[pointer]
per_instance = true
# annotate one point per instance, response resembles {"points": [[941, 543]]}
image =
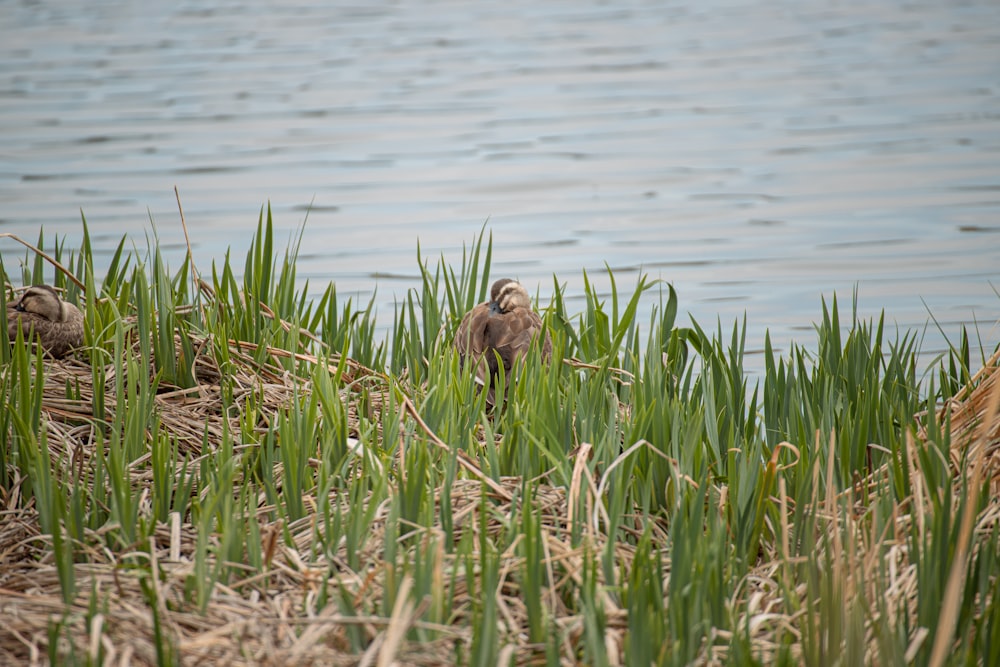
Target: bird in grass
{"points": [[41, 312], [499, 332]]}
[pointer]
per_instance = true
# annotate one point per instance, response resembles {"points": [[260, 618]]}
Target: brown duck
{"points": [[504, 326], [41, 312]]}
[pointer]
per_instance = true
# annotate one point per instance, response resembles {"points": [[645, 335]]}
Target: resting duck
{"points": [[41, 311], [504, 325]]}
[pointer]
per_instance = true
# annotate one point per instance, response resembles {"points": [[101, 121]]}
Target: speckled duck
{"points": [[505, 326], [42, 315]]}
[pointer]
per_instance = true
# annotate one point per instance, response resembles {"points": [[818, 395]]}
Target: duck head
{"points": [[45, 302]]}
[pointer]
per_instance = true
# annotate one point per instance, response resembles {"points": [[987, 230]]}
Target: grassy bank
{"points": [[228, 473]]}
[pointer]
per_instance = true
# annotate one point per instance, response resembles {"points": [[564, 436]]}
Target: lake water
{"points": [[759, 155]]}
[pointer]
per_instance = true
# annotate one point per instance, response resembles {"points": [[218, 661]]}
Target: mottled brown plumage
{"points": [[505, 326], [41, 314]]}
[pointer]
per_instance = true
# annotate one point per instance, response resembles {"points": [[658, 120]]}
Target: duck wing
{"points": [[471, 340], [511, 334]]}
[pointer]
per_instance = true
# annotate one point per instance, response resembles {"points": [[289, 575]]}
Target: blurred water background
{"points": [[759, 155]]}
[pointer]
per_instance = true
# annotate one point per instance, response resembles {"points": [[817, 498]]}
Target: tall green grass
{"points": [[694, 489]]}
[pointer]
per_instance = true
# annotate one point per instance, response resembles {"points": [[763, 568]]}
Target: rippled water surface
{"points": [[758, 155]]}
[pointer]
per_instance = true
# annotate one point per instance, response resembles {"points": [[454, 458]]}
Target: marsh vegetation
{"points": [[230, 473]]}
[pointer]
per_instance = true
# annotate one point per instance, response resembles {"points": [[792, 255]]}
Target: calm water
{"points": [[758, 155]]}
